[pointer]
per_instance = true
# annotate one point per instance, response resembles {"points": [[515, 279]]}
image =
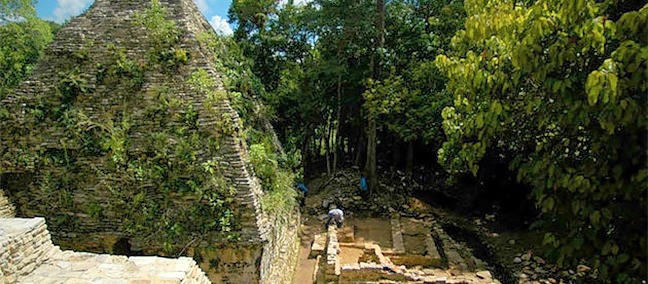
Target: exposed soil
{"points": [[482, 251], [370, 218], [350, 255], [411, 260], [306, 266], [415, 244], [372, 230]]}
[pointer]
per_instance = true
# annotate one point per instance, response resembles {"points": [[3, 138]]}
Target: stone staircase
{"points": [[444, 260], [27, 255]]}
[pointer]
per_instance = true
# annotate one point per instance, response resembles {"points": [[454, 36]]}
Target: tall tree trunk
{"points": [[370, 165], [410, 157], [328, 144], [336, 148], [305, 155], [360, 139]]}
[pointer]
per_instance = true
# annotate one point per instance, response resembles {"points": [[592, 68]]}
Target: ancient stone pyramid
{"points": [[124, 131]]}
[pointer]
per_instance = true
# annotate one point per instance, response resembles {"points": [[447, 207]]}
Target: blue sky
{"points": [[60, 10]]}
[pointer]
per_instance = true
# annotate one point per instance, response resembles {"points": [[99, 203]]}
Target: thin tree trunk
{"points": [[360, 142], [337, 131], [305, 155], [320, 143], [370, 165], [328, 134], [410, 157]]}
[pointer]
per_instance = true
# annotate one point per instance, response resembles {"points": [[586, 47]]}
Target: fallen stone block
{"points": [[319, 243]]}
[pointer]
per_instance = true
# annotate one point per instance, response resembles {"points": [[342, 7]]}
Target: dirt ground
{"points": [[372, 230]]}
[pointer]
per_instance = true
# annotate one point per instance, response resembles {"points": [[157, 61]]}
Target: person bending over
{"points": [[336, 215]]}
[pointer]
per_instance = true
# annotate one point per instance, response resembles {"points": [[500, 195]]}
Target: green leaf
{"points": [[480, 120], [595, 218], [549, 204]]}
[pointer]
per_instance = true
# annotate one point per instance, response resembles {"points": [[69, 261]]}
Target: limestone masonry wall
{"points": [[24, 245], [27, 255], [281, 252], [6, 209]]}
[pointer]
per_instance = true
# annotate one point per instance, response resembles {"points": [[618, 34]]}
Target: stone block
{"points": [[484, 275], [318, 245], [172, 275], [431, 248]]}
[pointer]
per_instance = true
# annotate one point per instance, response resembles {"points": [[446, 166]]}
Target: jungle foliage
{"points": [[24, 37], [554, 89], [559, 89]]}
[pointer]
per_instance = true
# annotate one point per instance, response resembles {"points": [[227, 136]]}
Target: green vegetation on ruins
{"points": [[144, 177], [177, 160], [276, 170]]}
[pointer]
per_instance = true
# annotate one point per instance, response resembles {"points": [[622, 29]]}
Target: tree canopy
{"points": [[24, 37], [558, 88]]}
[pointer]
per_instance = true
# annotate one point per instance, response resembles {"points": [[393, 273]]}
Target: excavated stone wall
{"points": [[90, 220], [281, 252]]}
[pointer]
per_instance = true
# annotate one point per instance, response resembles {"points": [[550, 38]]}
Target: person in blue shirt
{"points": [[303, 190], [364, 188], [302, 187]]}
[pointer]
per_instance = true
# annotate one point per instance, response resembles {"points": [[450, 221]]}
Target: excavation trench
{"points": [[481, 250]]}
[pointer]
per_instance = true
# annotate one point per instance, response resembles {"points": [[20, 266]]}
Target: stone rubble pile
{"points": [[537, 271]]}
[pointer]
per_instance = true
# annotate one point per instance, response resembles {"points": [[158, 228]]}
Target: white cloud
{"points": [[221, 25], [202, 5], [68, 8]]}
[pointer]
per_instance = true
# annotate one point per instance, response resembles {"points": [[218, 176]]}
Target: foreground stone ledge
{"points": [[27, 255]]}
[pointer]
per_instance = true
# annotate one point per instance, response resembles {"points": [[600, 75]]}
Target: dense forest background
{"points": [[544, 97]]}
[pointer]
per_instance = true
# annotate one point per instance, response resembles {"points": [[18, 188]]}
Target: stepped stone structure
{"points": [[27, 255], [79, 147]]}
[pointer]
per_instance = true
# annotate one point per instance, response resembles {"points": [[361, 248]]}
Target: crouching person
{"points": [[336, 215]]}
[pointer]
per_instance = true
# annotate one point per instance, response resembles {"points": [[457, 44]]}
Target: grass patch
{"points": [[353, 276], [414, 260]]}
